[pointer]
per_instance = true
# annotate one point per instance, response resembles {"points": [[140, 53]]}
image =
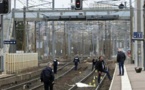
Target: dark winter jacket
{"points": [[100, 65], [47, 75], [76, 61], [121, 56], [93, 62], [55, 63], [96, 65]]}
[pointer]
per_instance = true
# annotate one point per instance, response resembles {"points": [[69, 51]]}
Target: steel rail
{"points": [[38, 86], [99, 85], [30, 81], [75, 86]]}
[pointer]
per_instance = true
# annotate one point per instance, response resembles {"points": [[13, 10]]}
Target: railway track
{"points": [[59, 74], [14, 79], [67, 78], [90, 79], [28, 83], [25, 75], [63, 77], [40, 85]]}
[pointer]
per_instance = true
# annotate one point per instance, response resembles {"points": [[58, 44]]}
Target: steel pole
{"points": [[53, 33], [53, 40], [14, 4], [39, 42], [24, 33], [131, 30], [144, 37], [64, 39], [2, 61], [27, 3], [27, 38], [46, 39], [82, 43], [69, 45], [35, 37]]}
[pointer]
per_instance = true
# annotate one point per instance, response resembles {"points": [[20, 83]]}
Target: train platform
{"points": [[130, 81], [5, 75]]}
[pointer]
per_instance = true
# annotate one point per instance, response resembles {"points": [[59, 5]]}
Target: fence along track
{"points": [[30, 81]]}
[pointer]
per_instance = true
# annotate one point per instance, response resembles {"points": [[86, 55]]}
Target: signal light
{"points": [[5, 6], [78, 4]]}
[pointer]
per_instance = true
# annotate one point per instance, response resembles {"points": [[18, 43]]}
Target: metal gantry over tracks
{"points": [[71, 15]]}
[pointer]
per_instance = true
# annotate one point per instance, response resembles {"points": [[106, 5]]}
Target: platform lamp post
{"points": [[131, 30], [144, 32]]}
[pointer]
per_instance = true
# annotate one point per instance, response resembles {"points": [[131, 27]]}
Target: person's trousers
{"points": [[76, 66], [93, 67], [55, 69], [105, 71], [121, 68], [48, 86]]}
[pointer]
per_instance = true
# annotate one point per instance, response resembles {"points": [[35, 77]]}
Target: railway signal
{"points": [[5, 6], [78, 4]]}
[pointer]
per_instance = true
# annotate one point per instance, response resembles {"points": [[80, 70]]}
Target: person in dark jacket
{"points": [[96, 64], [55, 64], [93, 63], [76, 61], [120, 59], [47, 77], [101, 68]]}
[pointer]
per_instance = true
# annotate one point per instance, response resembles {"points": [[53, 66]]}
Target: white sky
{"points": [[59, 3]]}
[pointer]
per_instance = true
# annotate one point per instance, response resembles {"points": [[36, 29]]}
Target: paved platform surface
{"points": [[130, 81], [5, 75]]}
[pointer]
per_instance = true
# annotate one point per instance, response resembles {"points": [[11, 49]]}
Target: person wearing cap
{"points": [[121, 57], [47, 77], [76, 61]]}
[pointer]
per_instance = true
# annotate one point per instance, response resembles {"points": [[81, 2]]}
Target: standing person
{"points": [[93, 63], [101, 68], [47, 77], [121, 57], [55, 64], [96, 64], [76, 61]]}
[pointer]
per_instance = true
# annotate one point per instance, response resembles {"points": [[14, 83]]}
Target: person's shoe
{"points": [[119, 75]]}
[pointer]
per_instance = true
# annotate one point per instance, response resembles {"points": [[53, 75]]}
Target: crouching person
{"points": [[47, 77]]}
